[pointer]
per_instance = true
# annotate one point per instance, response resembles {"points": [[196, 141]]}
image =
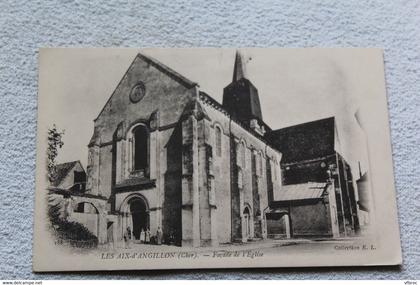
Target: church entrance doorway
{"points": [[140, 216]]}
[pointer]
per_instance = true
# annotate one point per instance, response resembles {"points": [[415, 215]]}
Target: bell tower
{"points": [[240, 97]]}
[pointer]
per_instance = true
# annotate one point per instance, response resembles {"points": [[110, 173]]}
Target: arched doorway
{"points": [[247, 223], [140, 216], [134, 215]]}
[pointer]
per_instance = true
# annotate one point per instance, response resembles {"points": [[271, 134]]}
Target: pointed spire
{"points": [[239, 70]]}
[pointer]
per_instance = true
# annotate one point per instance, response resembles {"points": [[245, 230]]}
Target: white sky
{"points": [[295, 86]]}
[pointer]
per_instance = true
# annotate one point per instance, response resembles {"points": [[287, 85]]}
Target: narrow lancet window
{"points": [[141, 149], [218, 141]]}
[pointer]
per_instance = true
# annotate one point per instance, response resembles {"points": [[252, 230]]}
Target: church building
{"points": [[166, 156]]}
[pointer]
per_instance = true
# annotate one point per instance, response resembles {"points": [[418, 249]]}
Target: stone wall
{"points": [[90, 221], [164, 93], [197, 196], [110, 149], [172, 189], [310, 219], [240, 182]]}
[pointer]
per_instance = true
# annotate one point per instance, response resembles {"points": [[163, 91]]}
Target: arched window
{"points": [[243, 155], [275, 170], [140, 148], [260, 164], [218, 141]]}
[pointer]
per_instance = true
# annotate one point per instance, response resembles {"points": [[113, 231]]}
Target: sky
{"points": [[295, 86]]}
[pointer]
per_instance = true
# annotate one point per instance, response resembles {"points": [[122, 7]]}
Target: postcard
{"points": [[213, 158]]}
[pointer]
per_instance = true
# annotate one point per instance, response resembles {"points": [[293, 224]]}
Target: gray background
{"points": [[27, 25]]}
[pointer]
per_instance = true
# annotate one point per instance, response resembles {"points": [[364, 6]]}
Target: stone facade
{"points": [[200, 188], [242, 174], [167, 157]]}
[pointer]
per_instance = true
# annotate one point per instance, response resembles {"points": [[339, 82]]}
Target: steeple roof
{"points": [[240, 97], [239, 70]]}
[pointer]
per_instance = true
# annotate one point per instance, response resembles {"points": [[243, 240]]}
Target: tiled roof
{"points": [[305, 141], [62, 170], [302, 191]]}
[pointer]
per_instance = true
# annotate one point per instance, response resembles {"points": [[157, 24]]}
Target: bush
{"points": [[70, 231]]}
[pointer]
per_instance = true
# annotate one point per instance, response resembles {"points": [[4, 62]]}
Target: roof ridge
{"points": [[63, 169], [68, 162], [162, 67], [302, 124], [167, 69]]}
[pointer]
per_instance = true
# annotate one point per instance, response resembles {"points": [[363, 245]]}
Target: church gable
{"points": [[147, 86]]}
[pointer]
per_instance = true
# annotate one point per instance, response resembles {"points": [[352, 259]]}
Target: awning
{"points": [[278, 211], [305, 191]]}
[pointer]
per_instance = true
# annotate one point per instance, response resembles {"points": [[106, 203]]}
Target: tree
{"points": [[55, 142]]}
